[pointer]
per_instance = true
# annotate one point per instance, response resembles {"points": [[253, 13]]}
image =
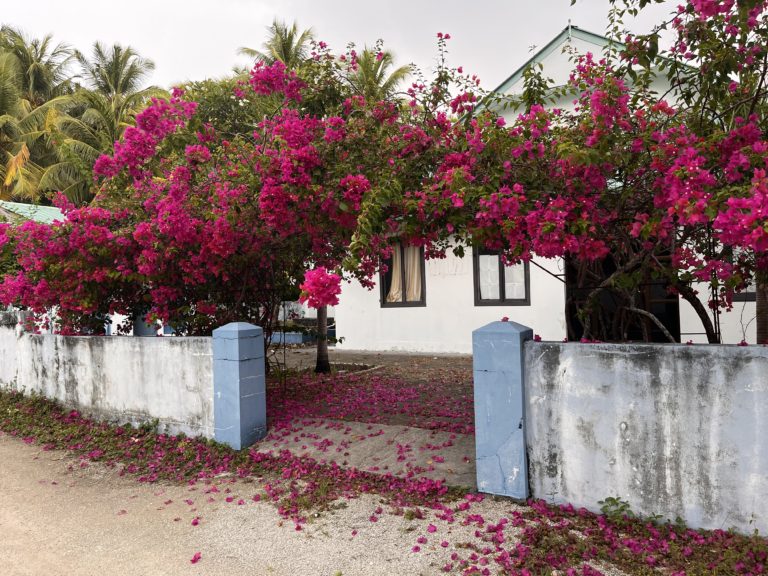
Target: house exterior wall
{"points": [[118, 378], [735, 325], [674, 430], [445, 324]]}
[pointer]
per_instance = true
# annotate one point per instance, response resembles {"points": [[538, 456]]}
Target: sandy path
{"points": [[55, 521]]}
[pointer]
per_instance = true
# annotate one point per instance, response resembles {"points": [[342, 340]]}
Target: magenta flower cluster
{"points": [[320, 288]]}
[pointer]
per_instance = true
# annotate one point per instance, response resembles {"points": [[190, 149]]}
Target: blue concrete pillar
{"points": [[141, 328], [239, 388], [497, 355]]}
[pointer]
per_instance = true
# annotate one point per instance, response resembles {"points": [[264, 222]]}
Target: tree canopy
{"points": [[203, 219]]}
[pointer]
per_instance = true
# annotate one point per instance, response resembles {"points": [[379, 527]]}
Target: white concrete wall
{"points": [[735, 326], [297, 309], [674, 430], [127, 379], [445, 324]]}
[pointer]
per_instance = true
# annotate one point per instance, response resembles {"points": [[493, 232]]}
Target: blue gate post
{"points": [[239, 388], [497, 351]]}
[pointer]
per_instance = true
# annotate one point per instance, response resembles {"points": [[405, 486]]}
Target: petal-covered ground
{"points": [[436, 399], [377, 422], [383, 441]]}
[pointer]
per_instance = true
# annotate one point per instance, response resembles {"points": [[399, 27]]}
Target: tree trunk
{"points": [[655, 320], [323, 365], [689, 295], [761, 311]]}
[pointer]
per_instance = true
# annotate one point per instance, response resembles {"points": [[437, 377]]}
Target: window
{"points": [[497, 284], [403, 283], [745, 297], [748, 295]]}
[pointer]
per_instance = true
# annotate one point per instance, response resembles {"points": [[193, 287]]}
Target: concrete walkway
{"points": [[380, 448]]}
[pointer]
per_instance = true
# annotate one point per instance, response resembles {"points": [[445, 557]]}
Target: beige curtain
{"points": [[395, 293], [488, 276], [412, 273], [514, 282]]}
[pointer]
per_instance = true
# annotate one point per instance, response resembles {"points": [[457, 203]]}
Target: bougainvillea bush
{"points": [[717, 67], [197, 228]]}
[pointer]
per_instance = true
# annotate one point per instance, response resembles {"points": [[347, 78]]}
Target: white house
{"points": [[433, 305]]}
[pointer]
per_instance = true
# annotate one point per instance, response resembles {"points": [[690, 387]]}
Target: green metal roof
{"points": [[43, 214], [568, 32]]}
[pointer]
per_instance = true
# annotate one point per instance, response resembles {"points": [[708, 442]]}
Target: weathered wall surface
{"points": [[121, 378], [674, 430]]}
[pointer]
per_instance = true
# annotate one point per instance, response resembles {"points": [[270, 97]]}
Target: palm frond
{"points": [[9, 128], [115, 70], [59, 177], [24, 183], [283, 43], [10, 92], [15, 165], [373, 78]]}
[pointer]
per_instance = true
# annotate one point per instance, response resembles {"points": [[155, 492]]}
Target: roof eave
{"points": [[567, 32]]}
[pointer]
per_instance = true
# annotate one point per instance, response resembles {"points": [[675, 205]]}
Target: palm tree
{"points": [[32, 72], [285, 44], [12, 151], [373, 78], [116, 70], [23, 148], [44, 67], [25, 152], [86, 124], [10, 101]]}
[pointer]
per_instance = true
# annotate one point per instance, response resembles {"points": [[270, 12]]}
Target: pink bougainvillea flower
{"points": [[320, 288]]}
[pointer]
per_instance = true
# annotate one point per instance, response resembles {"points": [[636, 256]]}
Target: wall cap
{"points": [[502, 327], [236, 330]]}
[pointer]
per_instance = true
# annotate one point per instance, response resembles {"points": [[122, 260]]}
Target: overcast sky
{"points": [[196, 39]]}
